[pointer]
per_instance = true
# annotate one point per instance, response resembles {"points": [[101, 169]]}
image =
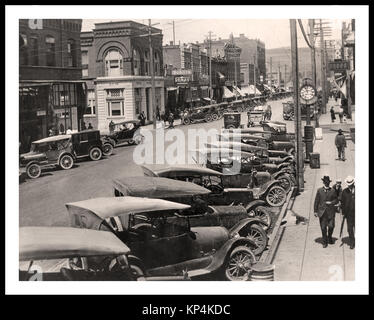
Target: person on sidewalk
{"points": [[338, 190], [340, 144], [341, 112], [171, 120], [332, 113], [348, 208], [324, 209]]}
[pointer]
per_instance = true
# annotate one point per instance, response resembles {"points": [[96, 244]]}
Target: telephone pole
{"points": [[271, 72], [173, 24], [254, 71], [210, 65], [153, 98], [323, 68], [297, 111]]}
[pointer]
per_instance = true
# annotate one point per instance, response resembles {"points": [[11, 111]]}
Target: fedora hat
{"points": [[326, 178], [350, 180], [340, 131]]}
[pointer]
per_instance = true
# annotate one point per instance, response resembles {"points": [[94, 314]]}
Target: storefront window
{"points": [[71, 52], [91, 103]]}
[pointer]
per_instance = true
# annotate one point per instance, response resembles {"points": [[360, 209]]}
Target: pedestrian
{"points": [[171, 120], [69, 131], [332, 113], [50, 132], [341, 111], [268, 112], [348, 208], [90, 126], [340, 144], [84, 126], [324, 209], [158, 113], [62, 129], [111, 127], [338, 190], [142, 118]]}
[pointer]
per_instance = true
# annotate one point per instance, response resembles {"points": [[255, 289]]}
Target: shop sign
{"points": [[339, 65], [182, 80], [40, 113], [181, 72]]}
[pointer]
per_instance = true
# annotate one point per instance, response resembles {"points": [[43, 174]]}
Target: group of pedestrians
{"points": [[332, 200]]}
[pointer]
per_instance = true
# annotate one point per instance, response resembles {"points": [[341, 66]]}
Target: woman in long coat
{"points": [[332, 113]]}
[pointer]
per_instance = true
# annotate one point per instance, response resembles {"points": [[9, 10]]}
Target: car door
{"points": [[80, 144]]}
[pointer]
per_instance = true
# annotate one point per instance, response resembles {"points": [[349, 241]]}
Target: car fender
{"points": [[244, 223], [32, 162], [68, 153], [280, 173], [283, 165], [254, 204], [266, 187], [287, 159]]}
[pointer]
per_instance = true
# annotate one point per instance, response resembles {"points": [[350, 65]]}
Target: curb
{"points": [[277, 233]]}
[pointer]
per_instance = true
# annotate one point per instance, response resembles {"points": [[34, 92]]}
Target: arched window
{"points": [[72, 61], [23, 46], [136, 59], [113, 63], [50, 51], [156, 63], [147, 71]]}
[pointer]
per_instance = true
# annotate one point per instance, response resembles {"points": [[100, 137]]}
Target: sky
{"points": [[275, 33]]}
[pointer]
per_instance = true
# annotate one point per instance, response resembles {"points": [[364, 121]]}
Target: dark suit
{"points": [[348, 210], [326, 212]]}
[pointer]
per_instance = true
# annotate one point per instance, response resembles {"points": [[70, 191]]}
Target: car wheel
{"points": [[107, 149], [66, 162], [95, 154], [186, 121], [136, 267], [33, 171], [258, 235], [276, 196], [262, 213], [285, 182], [208, 118], [239, 264]]}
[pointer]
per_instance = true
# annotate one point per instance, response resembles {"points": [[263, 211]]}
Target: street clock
{"points": [[308, 93]]}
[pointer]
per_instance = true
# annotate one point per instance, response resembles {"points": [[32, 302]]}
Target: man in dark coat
{"points": [[324, 209], [340, 144], [348, 208]]}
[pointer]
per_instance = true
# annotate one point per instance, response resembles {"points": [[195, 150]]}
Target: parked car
{"points": [[51, 152], [231, 120], [64, 253], [207, 113], [161, 247], [126, 132], [88, 143]]}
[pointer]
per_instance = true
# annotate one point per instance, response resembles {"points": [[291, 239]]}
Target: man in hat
{"points": [[348, 208], [338, 189], [340, 144], [324, 209]]}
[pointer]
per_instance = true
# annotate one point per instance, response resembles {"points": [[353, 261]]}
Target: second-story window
{"points": [[50, 51], [113, 63], [136, 59], [156, 63], [147, 71], [72, 61]]}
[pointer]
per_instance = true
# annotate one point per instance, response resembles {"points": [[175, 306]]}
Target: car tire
{"points": [[285, 182], [276, 196], [107, 149], [258, 235], [186, 121], [215, 117], [239, 263], [261, 213], [33, 171], [66, 162], [95, 154], [208, 118]]}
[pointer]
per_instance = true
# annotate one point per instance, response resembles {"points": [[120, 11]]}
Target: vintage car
{"points": [[88, 143], [126, 132], [161, 247], [231, 120], [207, 113], [270, 134], [51, 152], [64, 253], [211, 214]]}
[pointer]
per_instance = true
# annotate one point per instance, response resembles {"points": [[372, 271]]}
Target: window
{"points": [[138, 100], [115, 102], [50, 51], [136, 59], [71, 53], [146, 63], [113, 63], [91, 103], [23, 54], [156, 63], [34, 51], [84, 58], [84, 72]]}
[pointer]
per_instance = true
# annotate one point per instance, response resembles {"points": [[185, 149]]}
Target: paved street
{"points": [[300, 255], [42, 200]]}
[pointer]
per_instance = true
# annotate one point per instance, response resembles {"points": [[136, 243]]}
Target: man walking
{"points": [[348, 208], [324, 209], [340, 144]]}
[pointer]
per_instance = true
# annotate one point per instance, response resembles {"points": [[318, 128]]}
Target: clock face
{"points": [[307, 92]]}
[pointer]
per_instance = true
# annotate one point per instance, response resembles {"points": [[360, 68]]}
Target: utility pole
{"points": [[152, 74], [254, 70], [173, 24], [297, 111], [323, 68], [271, 72], [210, 65], [279, 72]]}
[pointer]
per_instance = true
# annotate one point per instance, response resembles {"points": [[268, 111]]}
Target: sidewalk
{"points": [[300, 254]]}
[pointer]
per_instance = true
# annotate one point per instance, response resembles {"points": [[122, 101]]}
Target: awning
{"points": [[227, 93], [220, 75], [238, 91], [171, 88], [251, 90]]}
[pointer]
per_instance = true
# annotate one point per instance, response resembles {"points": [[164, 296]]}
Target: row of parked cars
{"points": [[62, 151], [174, 222]]}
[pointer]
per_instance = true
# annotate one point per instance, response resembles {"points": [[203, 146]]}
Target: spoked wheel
{"points": [[186, 121], [239, 264], [258, 235], [66, 162], [276, 196], [285, 182], [95, 154], [33, 171], [261, 213], [208, 118], [215, 117], [107, 149]]}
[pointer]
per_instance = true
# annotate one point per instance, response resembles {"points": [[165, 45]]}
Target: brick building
{"points": [[116, 65], [51, 95]]}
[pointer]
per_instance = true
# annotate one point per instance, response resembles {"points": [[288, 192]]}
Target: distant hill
{"points": [[282, 56]]}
